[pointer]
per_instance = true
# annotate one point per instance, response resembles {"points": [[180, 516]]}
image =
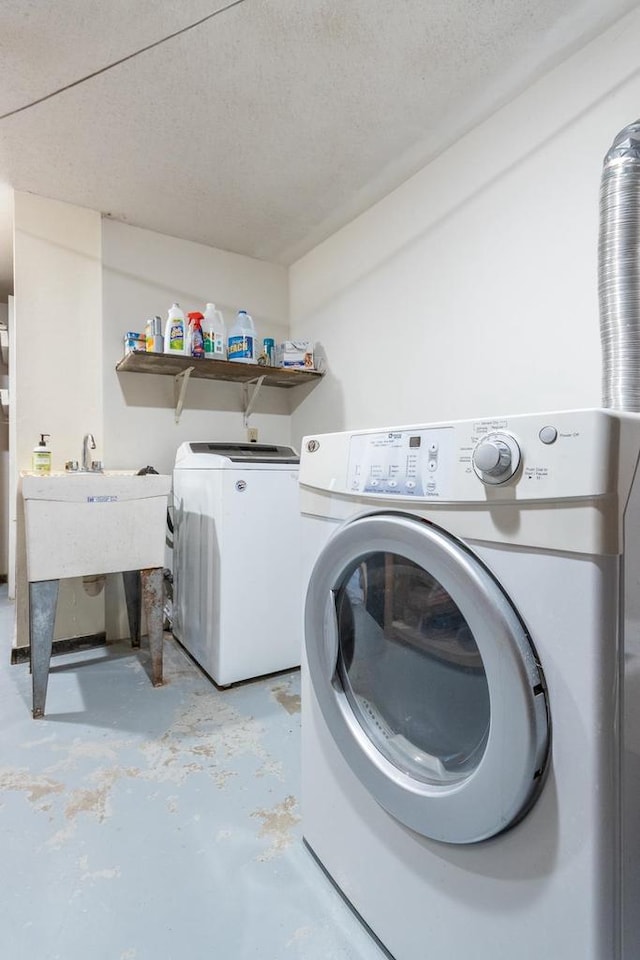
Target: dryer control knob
{"points": [[492, 457], [496, 459]]}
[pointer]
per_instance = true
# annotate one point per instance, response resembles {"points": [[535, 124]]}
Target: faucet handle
{"points": [[96, 466], [71, 466]]}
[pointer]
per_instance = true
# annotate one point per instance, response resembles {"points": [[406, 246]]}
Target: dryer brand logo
{"points": [[241, 485], [313, 445], [395, 436]]}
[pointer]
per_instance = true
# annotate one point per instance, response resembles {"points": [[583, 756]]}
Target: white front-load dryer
{"points": [[470, 754]]}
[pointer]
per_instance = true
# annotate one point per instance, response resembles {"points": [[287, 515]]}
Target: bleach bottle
{"points": [[242, 339]]}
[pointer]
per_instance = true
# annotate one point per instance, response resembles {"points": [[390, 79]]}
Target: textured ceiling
{"points": [[269, 126]]}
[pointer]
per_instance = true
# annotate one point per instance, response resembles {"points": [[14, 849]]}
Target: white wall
{"points": [[58, 365], [472, 289], [11, 507], [4, 461], [143, 273]]}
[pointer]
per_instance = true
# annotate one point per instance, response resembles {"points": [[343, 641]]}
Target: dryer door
{"points": [[426, 678]]}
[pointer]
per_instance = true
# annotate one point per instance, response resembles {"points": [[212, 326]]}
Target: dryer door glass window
{"points": [[426, 678], [411, 669]]}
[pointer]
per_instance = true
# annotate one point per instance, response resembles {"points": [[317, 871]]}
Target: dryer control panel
{"points": [[401, 463], [548, 456], [557, 480]]}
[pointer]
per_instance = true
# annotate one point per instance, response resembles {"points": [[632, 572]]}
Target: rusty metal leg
{"points": [[131, 580], [43, 598], [152, 584]]}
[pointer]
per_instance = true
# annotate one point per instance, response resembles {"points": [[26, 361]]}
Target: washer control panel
{"points": [[401, 463]]}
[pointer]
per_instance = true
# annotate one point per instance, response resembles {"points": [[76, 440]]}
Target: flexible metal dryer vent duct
{"points": [[619, 271]]}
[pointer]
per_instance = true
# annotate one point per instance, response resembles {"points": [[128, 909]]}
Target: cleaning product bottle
{"points": [[174, 332], [195, 341], [242, 339], [214, 333], [41, 457], [153, 333]]}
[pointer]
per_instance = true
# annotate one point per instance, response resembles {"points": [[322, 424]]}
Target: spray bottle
{"points": [[195, 342]]}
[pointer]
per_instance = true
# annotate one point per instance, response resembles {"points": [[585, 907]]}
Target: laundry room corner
{"points": [[476, 279]]}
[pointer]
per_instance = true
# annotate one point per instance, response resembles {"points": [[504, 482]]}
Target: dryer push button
{"points": [[548, 435]]}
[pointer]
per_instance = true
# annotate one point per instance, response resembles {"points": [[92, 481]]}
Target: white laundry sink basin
{"points": [[78, 524]]}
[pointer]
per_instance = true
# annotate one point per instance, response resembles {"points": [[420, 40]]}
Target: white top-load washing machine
{"points": [[237, 558], [471, 683]]}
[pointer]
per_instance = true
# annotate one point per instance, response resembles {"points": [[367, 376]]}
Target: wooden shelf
{"points": [[162, 363], [183, 368]]}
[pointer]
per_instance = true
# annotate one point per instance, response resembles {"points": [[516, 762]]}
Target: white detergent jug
{"points": [[214, 333], [174, 332]]}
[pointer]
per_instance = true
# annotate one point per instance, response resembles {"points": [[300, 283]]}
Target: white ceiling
{"points": [[269, 126]]}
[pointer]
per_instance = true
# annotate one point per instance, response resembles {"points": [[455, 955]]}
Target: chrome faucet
{"points": [[88, 443]]}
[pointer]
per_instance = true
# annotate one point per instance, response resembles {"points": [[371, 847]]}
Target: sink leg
{"points": [[152, 584], [131, 579], [43, 598]]}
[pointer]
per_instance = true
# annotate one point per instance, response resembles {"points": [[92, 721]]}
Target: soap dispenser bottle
{"points": [[41, 458]]}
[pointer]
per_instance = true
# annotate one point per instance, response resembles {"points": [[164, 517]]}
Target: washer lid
{"points": [[204, 454], [426, 678]]}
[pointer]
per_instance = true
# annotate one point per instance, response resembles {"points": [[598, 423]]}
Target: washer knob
{"points": [[496, 459]]}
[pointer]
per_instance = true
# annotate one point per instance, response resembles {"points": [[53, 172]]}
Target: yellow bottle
{"points": [[41, 457]]}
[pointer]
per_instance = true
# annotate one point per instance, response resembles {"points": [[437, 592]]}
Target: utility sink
{"points": [[83, 523]]}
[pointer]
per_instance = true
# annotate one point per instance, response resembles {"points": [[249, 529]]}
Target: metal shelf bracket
{"points": [[179, 390], [249, 401]]}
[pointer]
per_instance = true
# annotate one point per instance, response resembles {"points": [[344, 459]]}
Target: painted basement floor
{"points": [[142, 824]]}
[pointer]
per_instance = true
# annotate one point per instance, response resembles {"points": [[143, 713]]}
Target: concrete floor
{"points": [[142, 824]]}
